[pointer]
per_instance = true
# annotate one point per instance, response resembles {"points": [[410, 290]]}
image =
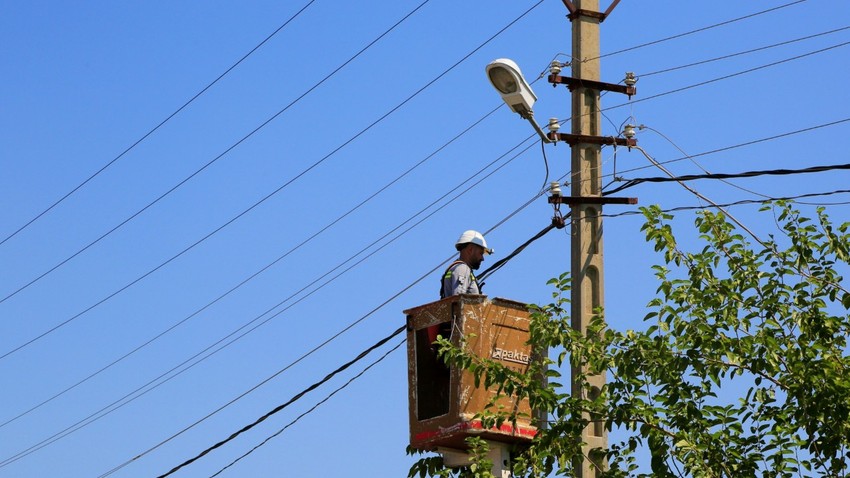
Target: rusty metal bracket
{"points": [[586, 13], [571, 200], [573, 83], [578, 12], [573, 139]]}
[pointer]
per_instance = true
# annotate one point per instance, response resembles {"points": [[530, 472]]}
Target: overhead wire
{"points": [[72, 386], [256, 204], [723, 176], [752, 142], [726, 77], [490, 270], [698, 30], [743, 202], [311, 409], [292, 400], [746, 143], [695, 162], [215, 159], [160, 124], [348, 327], [745, 52], [264, 268], [150, 385]]}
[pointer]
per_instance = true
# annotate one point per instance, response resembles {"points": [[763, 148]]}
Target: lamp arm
{"points": [[540, 132]]}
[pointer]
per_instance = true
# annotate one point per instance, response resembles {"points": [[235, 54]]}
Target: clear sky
{"points": [[313, 186]]}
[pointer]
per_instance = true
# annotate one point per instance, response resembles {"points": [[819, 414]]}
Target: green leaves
{"points": [[740, 369]]}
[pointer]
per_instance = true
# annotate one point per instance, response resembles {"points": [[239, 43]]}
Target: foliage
{"points": [[742, 368]]}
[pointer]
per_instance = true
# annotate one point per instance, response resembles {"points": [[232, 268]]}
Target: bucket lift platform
{"points": [[443, 401]]}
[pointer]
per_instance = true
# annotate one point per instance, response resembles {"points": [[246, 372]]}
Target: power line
{"points": [[256, 204], [747, 174], [221, 155], [740, 53], [287, 403], [745, 202], [269, 265], [313, 408], [348, 327], [680, 35], [631, 184], [126, 399], [700, 154], [161, 123], [747, 143], [726, 77]]}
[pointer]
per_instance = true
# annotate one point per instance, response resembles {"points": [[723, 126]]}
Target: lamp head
{"points": [[507, 78]]}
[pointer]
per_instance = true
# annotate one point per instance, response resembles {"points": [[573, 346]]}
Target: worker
{"points": [[458, 278]]}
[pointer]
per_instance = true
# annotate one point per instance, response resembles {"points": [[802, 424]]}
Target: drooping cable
{"points": [[231, 290], [312, 409], [161, 123], [746, 202], [292, 400], [747, 143], [746, 174]]}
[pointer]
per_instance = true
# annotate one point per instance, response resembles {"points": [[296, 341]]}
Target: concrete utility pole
{"points": [[586, 252], [585, 198]]}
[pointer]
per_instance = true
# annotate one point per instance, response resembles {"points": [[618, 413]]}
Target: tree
{"points": [[742, 368]]}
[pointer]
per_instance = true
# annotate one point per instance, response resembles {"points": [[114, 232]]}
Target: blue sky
{"points": [[297, 140]]}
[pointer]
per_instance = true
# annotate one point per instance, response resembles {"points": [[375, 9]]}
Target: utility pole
{"points": [[585, 200], [586, 261]]}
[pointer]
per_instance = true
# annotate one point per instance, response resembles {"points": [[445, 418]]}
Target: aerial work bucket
{"points": [[443, 401]]}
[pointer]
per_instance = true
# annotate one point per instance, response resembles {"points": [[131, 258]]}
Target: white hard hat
{"points": [[473, 237]]}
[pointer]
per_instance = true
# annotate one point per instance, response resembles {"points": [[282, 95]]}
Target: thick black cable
{"points": [[740, 203], [501, 262], [210, 163], [758, 141], [313, 408], [399, 293], [746, 174], [398, 331], [139, 392], [155, 128], [289, 402], [741, 145]]}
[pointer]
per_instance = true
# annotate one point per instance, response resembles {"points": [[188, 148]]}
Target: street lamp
{"points": [[507, 78]]}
